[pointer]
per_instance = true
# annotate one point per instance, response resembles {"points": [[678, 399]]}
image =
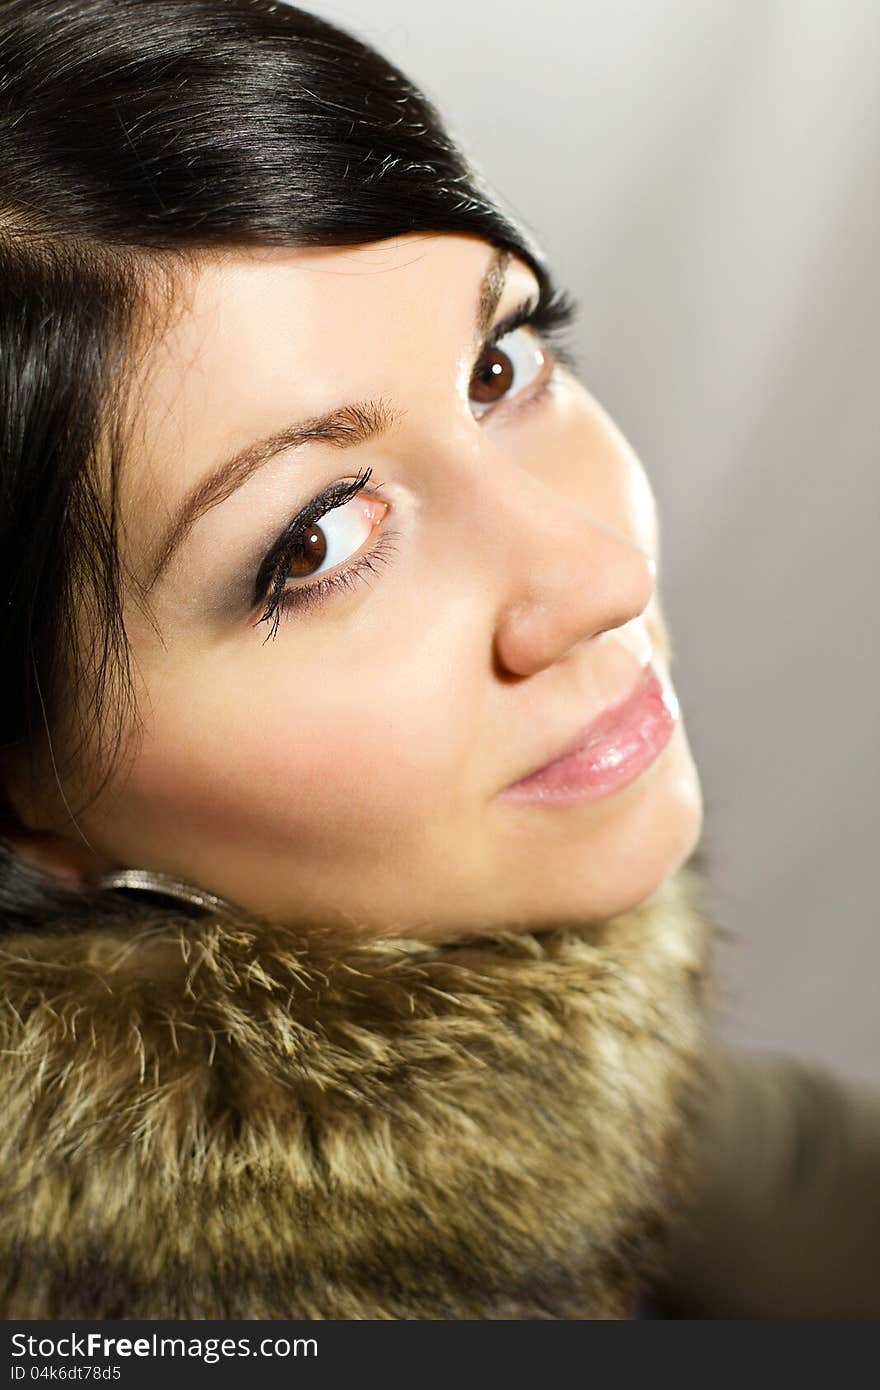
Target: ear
{"points": [[73, 864]]}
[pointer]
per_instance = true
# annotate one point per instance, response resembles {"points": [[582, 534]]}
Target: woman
{"points": [[353, 937]]}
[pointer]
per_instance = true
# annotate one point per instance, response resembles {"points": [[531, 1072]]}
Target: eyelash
{"points": [[551, 314]]}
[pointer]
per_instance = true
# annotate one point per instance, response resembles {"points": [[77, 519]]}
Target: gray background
{"points": [[705, 176]]}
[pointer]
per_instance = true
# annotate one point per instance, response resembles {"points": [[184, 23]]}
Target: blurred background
{"points": [[704, 176]]}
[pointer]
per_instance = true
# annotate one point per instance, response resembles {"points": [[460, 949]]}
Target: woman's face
{"points": [[354, 760]]}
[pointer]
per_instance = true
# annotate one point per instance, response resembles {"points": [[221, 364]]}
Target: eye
{"points": [[505, 368], [334, 537]]}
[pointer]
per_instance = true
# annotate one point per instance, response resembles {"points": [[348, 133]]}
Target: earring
{"points": [[146, 881]]}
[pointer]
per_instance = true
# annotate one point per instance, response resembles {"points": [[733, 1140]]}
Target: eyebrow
{"points": [[342, 428]]}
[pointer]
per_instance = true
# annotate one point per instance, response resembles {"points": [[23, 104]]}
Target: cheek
{"points": [[353, 756]]}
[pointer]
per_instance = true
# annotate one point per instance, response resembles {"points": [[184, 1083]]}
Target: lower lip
{"points": [[625, 741]]}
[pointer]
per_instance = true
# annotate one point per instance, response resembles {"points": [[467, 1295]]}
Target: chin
{"points": [[638, 889], [648, 840], [659, 857]]}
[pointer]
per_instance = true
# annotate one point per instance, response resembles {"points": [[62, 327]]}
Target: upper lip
{"points": [[604, 721]]}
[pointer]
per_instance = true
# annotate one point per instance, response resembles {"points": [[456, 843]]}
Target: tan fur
{"points": [[227, 1118]]}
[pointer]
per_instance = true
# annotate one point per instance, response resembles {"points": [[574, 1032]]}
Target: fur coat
{"points": [[215, 1116]]}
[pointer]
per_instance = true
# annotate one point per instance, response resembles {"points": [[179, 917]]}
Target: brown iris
{"points": [[309, 553], [492, 378]]}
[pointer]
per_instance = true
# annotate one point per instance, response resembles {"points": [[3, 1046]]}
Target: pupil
{"points": [[494, 378], [309, 554]]}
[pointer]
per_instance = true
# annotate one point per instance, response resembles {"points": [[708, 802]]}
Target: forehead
{"points": [[300, 323], [260, 337]]}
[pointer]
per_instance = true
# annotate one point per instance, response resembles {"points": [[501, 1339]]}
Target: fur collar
{"points": [[227, 1118]]}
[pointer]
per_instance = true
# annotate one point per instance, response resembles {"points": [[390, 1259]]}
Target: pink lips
{"points": [[612, 751]]}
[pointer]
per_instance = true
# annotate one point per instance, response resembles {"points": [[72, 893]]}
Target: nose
{"points": [[574, 577]]}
